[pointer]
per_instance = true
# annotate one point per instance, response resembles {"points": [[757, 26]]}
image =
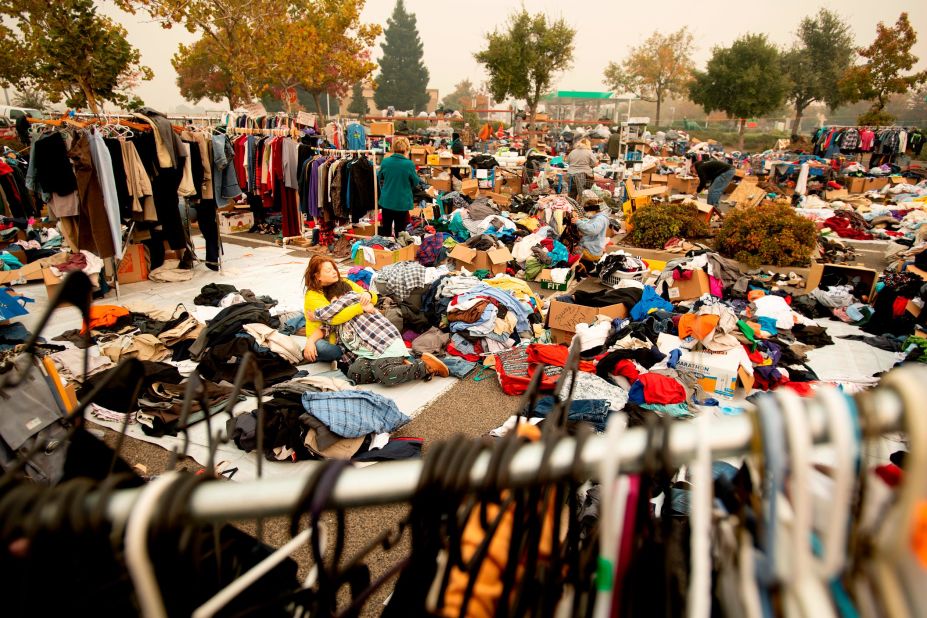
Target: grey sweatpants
{"points": [[386, 371]]}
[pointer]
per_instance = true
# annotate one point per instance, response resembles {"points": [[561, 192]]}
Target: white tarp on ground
{"points": [[264, 270]]}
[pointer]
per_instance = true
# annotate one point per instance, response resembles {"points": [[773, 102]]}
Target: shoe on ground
{"points": [[435, 366]]}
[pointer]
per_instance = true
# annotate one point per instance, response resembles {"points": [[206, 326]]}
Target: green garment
{"points": [[481, 273], [398, 180], [457, 228], [533, 268], [919, 342], [676, 410]]}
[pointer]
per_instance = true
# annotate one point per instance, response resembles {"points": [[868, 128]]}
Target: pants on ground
{"points": [[394, 221], [327, 352], [206, 217], [718, 185], [386, 371]]}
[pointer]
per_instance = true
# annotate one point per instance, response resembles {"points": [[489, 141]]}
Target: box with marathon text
{"points": [[717, 373]]}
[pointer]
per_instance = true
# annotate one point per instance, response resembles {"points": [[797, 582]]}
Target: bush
{"points": [[767, 234], [653, 225]]}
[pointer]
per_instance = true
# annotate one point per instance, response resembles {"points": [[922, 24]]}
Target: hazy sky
{"points": [[606, 30]]}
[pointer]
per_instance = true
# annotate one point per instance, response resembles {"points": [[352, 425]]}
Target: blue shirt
{"points": [[593, 231]]}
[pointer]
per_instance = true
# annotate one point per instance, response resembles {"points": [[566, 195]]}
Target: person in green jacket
{"points": [[398, 180]]}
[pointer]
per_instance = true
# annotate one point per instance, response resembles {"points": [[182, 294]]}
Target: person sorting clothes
{"points": [[398, 181], [321, 274], [593, 230], [581, 160], [378, 353], [714, 174]]}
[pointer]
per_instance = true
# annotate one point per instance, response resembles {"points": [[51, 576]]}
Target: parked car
{"points": [[12, 113], [7, 129]]}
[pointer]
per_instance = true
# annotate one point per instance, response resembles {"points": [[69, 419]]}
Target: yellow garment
{"points": [[316, 300], [518, 287], [530, 223], [506, 325], [488, 587]]}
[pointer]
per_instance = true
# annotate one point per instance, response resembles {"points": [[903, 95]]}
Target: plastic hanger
{"points": [[702, 492], [900, 574], [805, 593], [138, 561], [611, 516], [772, 484], [846, 453]]}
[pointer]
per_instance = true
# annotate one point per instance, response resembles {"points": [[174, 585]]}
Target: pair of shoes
{"points": [[435, 366]]}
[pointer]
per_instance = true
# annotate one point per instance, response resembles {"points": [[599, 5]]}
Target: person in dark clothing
{"points": [[613, 145], [457, 146], [714, 174], [22, 129]]}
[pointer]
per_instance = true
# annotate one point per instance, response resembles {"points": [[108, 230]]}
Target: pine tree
{"points": [[358, 102], [403, 76]]}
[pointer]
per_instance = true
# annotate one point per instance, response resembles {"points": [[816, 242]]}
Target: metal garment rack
{"points": [[391, 482], [376, 188]]}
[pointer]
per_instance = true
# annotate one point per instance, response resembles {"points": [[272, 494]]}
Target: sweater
{"points": [[398, 180], [316, 300]]}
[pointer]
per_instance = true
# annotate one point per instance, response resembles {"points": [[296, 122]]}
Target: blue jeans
{"points": [[718, 185], [592, 411], [327, 352]]}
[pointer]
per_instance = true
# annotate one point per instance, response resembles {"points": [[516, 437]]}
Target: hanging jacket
{"points": [[225, 181]]}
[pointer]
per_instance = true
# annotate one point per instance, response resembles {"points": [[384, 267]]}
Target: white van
{"points": [[12, 113]]}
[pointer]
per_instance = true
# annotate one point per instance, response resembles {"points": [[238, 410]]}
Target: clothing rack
{"points": [[391, 482], [376, 188]]}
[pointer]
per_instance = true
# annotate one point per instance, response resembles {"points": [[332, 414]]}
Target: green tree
{"points": [[70, 52], [461, 98], [31, 97], [660, 68], [523, 59], [816, 62], [403, 77], [358, 101], [744, 80], [883, 72]]}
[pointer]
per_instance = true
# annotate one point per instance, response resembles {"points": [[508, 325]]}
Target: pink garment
{"points": [[715, 286], [866, 139]]}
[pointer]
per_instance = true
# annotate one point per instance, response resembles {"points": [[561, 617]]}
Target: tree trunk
{"points": [[659, 105], [796, 122], [317, 98], [740, 135], [91, 100]]}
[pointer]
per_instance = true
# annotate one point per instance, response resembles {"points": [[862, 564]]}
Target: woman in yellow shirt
{"points": [[320, 273]]}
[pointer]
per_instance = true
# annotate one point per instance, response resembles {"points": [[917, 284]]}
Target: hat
{"points": [[345, 448]]}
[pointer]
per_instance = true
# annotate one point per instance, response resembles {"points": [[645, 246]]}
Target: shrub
{"points": [[653, 225], [767, 234]]}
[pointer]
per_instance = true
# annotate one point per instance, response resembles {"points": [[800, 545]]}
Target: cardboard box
{"points": [[875, 184], [689, 289], [447, 160], [868, 277], [547, 282], [508, 185], [31, 271], [855, 184], [383, 257], [499, 198], [470, 187], [716, 372], [901, 180], [675, 184], [746, 194], [367, 229], [233, 222], [419, 155], [382, 128], [659, 179], [428, 211], [441, 184], [836, 194], [562, 318], [494, 261], [135, 264], [434, 159]]}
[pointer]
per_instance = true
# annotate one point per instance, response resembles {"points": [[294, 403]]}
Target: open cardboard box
{"points": [[689, 289], [868, 276], [675, 184], [31, 271], [470, 187], [382, 257], [716, 372], [547, 281], [562, 318], [135, 264], [495, 261]]}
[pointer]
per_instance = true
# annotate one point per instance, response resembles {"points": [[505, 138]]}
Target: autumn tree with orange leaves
{"points": [[250, 47]]}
